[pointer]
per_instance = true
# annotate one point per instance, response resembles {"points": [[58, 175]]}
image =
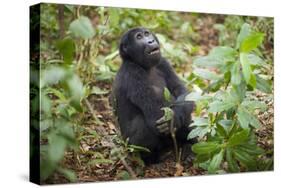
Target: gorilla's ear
{"points": [[124, 48]]}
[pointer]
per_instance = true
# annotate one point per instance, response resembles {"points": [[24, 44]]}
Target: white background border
{"points": [[14, 77]]}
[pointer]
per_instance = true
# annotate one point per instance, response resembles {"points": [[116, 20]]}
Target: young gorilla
{"points": [[138, 92]]}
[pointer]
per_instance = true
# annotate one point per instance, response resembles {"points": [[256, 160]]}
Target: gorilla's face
{"points": [[140, 46]]}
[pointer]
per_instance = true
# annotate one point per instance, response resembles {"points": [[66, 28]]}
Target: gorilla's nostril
{"points": [[151, 41]]}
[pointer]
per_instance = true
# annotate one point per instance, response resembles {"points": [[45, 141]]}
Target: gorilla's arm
{"points": [[182, 109], [174, 84], [142, 96]]}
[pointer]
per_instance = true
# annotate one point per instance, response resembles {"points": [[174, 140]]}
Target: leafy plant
{"points": [[227, 129]]}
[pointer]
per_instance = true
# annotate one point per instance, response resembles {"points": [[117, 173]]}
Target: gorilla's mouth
{"points": [[155, 50]]}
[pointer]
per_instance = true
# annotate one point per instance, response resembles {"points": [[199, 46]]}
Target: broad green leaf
{"points": [[240, 91], [220, 130], [206, 74], [219, 106], [82, 27], [196, 96], [57, 145], [235, 74], [217, 57], [67, 48], [69, 174], [245, 158], [167, 95], [200, 158], [198, 132], [200, 122], [207, 62], [246, 68], [238, 138], [75, 87], [244, 32], [263, 85], [251, 149], [253, 105], [255, 122], [205, 147], [215, 162], [231, 162], [255, 60], [251, 42], [52, 75], [243, 117]]}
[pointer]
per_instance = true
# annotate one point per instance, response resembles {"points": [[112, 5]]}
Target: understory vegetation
{"points": [[225, 61]]}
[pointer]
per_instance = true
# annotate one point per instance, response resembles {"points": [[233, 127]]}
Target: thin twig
{"points": [[173, 134]]}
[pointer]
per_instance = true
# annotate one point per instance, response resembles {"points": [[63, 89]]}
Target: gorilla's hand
{"points": [[182, 110], [164, 123]]}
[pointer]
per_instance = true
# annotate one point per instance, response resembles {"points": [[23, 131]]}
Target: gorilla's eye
{"points": [[146, 33], [139, 36]]}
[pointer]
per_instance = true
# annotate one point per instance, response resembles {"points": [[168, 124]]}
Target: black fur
{"points": [[138, 90]]}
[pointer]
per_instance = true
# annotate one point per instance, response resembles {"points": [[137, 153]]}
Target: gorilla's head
{"points": [[140, 46]]}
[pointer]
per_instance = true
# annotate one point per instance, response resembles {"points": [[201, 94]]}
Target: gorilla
{"points": [[138, 94]]}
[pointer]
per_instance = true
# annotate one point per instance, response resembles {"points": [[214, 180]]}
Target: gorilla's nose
{"points": [[151, 41]]}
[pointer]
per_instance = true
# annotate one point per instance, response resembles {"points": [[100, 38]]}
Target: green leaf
{"points": [[207, 62], [219, 106], [238, 138], [167, 95], [245, 158], [224, 53], [221, 131], [75, 87], [67, 48], [57, 145], [206, 74], [253, 105], [198, 132], [263, 85], [251, 42], [82, 27], [243, 117], [215, 162], [246, 69], [205, 147], [255, 60], [232, 164], [244, 32], [200, 122], [69, 174], [251, 149], [235, 74], [216, 58], [52, 75]]}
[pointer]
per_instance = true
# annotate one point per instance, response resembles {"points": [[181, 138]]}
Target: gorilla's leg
{"points": [[141, 135]]}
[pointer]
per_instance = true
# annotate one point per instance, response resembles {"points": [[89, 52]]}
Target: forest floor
{"points": [[90, 162]]}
